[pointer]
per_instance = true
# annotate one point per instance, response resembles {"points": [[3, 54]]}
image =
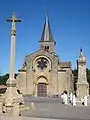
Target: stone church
{"points": [[42, 74]]}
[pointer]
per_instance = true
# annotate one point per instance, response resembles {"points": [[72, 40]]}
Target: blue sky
{"points": [[70, 25]]}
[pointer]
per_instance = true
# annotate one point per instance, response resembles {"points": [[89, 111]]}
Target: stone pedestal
{"points": [[10, 101], [82, 90]]}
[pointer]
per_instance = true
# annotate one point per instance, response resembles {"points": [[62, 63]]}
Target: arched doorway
{"points": [[42, 87]]}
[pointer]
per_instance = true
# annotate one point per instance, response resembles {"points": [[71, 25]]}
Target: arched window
{"points": [[46, 48]]}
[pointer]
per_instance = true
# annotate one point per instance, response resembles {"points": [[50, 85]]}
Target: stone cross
{"points": [[10, 101], [14, 20]]}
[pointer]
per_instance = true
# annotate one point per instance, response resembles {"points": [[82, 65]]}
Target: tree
{"points": [[4, 78]]}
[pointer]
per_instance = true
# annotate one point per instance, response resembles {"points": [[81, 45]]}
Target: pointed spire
{"points": [[46, 34]]}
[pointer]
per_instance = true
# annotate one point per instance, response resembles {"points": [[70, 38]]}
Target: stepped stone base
{"points": [[11, 101], [82, 90]]}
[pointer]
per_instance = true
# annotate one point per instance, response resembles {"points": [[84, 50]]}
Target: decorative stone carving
{"points": [[82, 84]]}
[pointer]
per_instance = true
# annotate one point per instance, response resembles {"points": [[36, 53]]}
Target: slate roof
{"points": [[46, 34]]}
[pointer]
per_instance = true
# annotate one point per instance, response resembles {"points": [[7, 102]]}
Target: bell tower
{"points": [[82, 84], [47, 43]]}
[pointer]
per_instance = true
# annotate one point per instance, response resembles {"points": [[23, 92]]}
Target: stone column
{"points": [[12, 56], [82, 84]]}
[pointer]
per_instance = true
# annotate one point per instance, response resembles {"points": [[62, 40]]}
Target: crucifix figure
{"points": [[14, 20]]}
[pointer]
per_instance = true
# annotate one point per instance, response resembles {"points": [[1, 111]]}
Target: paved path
{"points": [[22, 118], [53, 108]]}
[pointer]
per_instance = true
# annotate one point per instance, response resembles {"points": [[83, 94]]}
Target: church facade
{"points": [[42, 74]]}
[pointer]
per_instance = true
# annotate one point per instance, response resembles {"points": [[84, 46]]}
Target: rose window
{"points": [[42, 63]]}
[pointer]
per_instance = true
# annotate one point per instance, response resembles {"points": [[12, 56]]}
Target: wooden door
{"points": [[42, 90]]}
